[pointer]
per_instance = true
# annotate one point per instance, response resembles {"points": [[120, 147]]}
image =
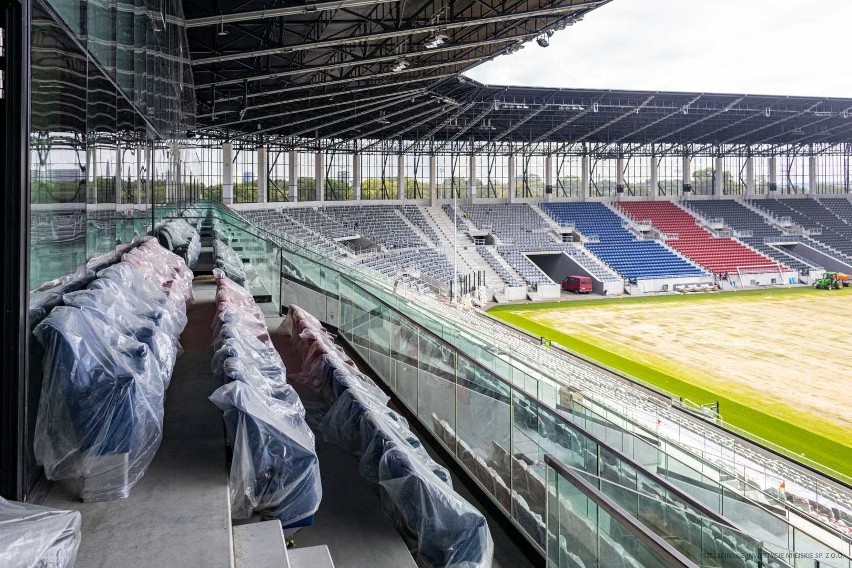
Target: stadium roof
{"points": [[393, 69]]}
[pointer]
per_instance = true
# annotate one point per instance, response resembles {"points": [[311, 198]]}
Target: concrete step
{"points": [[261, 545], [311, 557]]}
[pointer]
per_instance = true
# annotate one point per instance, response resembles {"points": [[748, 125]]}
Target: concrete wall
{"points": [[829, 262], [558, 266]]}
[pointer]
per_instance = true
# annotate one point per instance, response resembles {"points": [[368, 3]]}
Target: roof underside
{"points": [[393, 69]]}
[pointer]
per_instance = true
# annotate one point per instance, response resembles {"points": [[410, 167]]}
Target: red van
{"points": [[577, 284]]}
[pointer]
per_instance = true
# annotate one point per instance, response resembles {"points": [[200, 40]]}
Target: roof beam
{"points": [[429, 116], [565, 123], [659, 120], [701, 120], [374, 108], [476, 120], [615, 120], [460, 111], [272, 13], [350, 106], [381, 36], [524, 120], [408, 109], [773, 123], [310, 85], [355, 62]]}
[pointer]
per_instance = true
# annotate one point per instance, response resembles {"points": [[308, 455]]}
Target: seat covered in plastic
{"points": [[441, 528], [274, 470]]}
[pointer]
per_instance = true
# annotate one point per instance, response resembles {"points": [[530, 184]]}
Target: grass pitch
{"points": [[779, 362]]}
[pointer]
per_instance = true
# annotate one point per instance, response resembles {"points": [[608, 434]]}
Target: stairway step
{"points": [[261, 545], [311, 557]]}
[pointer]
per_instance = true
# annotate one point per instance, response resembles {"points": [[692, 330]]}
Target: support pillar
{"points": [[655, 177], [262, 176], [139, 158], [512, 178], [687, 171], [471, 178], [177, 176], [749, 165], [719, 177], [149, 164], [92, 173], [812, 176], [400, 177], [356, 176], [319, 175], [619, 176], [548, 178], [293, 167], [773, 174], [118, 176], [433, 179], [227, 172], [585, 177]]}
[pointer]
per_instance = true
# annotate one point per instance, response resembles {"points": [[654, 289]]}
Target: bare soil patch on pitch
{"points": [[789, 356]]}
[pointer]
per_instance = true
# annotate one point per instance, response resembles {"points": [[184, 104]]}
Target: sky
{"points": [[772, 47]]}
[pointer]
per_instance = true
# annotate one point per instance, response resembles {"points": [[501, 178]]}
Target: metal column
{"points": [[471, 178], [319, 173], [293, 158], [227, 172], [262, 176], [400, 177], [548, 178], [433, 179], [356, 175], [719, 177], [512, 178], [655, 177]]}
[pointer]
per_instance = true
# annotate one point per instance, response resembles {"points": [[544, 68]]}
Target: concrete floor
{"points": [[178, 514]]}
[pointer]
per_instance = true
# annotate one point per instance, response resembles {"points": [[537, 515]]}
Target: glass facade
{"points": [[112, 103]]}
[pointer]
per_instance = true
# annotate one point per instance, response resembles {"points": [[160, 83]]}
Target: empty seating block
{"points": [[836, 233], [741, 218], [617, 247], [719, 255]]}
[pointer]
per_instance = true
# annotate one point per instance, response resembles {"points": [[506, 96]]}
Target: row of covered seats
{"points": [[439, 526], [227, 260], [180, 237], [109, 351], [33, 537], [274, 468]]}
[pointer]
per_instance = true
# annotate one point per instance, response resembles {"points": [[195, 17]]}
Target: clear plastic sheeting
{"points": [[37, 537], [274, 471], [109, 353], [101, 408], [442, 529], [110, 310], [182, 238], [229, 261]]}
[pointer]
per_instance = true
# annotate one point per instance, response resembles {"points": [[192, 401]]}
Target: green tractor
{"points": [[832, 281]]}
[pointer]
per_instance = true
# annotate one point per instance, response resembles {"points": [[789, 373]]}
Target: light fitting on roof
{"points": [[543, 40], [436, 40], [401, 64], [222, 31]]}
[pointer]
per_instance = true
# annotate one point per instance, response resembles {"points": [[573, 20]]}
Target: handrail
{"points": [[663, 550], [691, 501]]}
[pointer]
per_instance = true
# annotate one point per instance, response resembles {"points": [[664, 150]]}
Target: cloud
{"points": [[775, 47]]}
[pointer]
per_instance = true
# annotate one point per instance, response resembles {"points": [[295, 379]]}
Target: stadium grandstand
{"points": [[247, 251]]}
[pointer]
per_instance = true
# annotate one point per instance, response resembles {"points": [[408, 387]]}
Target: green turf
{"points": [[801, 441]]}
